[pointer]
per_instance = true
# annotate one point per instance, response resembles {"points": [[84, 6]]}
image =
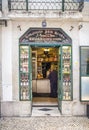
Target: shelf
{"points": [[67, 73], [47, 61]]}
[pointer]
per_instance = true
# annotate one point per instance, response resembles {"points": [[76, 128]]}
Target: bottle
{"points": [[24, 94], [21, 83]]}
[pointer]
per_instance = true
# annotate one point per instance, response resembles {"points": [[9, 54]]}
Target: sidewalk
{"points": [[44, 123]]}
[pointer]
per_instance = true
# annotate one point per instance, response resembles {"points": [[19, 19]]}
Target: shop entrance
{"points": [[43, 59], [39, 50]]}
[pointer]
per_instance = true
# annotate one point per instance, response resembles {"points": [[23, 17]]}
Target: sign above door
{"points": [[45, 35]]}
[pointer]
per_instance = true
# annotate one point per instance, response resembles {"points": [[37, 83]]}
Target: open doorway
{"points": [[51, 40], [42, 60]]}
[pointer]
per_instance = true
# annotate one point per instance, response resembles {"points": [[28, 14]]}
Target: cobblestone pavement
{"points": [[44, 123]]}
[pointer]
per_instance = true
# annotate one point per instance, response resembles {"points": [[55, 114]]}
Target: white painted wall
{"points": [[84, 34], [7, 62]]}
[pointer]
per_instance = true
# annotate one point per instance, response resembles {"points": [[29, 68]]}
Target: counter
{"points": [[41, 86]]}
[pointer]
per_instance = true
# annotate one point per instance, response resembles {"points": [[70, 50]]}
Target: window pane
{"points": [[85, 88], [85, 61], [24, 73], [84, 67], [67, 77]]}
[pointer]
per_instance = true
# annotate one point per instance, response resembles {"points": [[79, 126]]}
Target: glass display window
{"points": [[66, 72], [32, 66], [24, 72], [84, 73]]}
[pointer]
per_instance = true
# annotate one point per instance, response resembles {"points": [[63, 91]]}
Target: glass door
{"points": [[66, 73], [30, 72], [59, 80]]}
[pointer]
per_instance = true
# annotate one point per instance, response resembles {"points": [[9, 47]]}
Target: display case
{"points": [[34, 64], [24, 72], [66, 72]]}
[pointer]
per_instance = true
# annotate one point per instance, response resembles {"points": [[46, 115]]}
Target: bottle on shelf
{"points": [[24, 94]]}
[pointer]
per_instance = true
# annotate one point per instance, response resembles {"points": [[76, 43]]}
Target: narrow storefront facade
{"points": [[24, 40], [47, 38]]}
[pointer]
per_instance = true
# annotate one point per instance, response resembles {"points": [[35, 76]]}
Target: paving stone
{"points": [[44, 123]]}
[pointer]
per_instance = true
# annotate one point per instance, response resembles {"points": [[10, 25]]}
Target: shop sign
{"points": [[45, 35]]}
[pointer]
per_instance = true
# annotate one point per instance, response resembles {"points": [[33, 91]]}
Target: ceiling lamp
{"points": [[46, 51]]}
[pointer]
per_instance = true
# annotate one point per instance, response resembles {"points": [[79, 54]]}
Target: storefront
{"points": [[34, 36], [38, 50], [33, 49]]}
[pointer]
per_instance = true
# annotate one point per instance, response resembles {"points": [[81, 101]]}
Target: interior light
{"points": [[46, 51]]}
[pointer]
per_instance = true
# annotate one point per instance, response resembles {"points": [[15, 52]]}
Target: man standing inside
{"points": [[53, 77]]}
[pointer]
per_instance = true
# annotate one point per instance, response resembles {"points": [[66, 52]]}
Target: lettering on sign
{"points": [[45, 35]]}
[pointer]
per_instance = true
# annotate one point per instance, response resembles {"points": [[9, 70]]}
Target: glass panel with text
{"points": [[24, 72], [67, 72]]}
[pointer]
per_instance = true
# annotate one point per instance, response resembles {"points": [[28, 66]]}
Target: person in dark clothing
{"points": [[53, 77]]}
